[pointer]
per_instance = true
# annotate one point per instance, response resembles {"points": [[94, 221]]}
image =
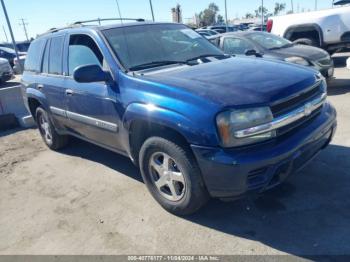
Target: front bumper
{"points": [[231, 173]]}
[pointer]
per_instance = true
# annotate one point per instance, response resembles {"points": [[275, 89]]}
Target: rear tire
{"points": [[307, 41], [51, 138], [172, 176]]}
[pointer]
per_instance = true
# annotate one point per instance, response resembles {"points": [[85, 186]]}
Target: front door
{"points": [[92, 108]]}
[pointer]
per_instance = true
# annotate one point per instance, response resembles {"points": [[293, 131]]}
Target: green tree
{"points": [[249, 15], [279, 7], [261, 10], [220, 19], [208, 16]]}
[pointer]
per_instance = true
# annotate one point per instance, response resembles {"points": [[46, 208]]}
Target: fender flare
{"points": [[312, 25], [164, 117]]}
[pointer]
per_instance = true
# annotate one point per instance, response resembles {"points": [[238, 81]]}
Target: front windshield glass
{"points": [[151, 44], [269, 41]]}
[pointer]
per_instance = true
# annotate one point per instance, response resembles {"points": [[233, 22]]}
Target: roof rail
{"points": [[99, 20]]}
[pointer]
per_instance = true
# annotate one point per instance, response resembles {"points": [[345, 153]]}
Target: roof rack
{"points": [[99, 20]]}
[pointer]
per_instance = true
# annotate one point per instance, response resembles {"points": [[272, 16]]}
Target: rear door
{"points": [[52, 81], [92, 108]]}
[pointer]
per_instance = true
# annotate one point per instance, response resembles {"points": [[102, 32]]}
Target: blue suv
{"points": [[197, 122]]}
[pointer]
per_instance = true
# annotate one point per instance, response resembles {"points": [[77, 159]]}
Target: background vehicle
{"points": [[6, 72], [18, 66], [21, 46], [9, 54], [192, 118], [267, 45], [206, 32], [223, 28], [328, 29]]}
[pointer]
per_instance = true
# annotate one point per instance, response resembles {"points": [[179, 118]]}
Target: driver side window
{"points": [[236, 46], [83, 51]]}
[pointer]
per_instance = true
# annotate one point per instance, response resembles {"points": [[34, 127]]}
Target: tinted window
{"points": [[236, 46], [138, 45], [33, 60], [55, 61], [83, 51], [45, 68]]}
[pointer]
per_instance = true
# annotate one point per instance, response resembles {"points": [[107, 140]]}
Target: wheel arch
{"points": [[299, 29]]}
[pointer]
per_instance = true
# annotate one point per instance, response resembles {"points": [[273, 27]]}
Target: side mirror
{"points": [[90, 74]]}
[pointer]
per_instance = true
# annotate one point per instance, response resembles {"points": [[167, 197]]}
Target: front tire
{"points": [[172, 176], [47, 131]]}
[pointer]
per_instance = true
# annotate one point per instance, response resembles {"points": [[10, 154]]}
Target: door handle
{"points": [[40, 86], [69, 92]]}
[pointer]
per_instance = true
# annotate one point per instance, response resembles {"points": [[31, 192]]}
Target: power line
{"points": [[24, 24]]}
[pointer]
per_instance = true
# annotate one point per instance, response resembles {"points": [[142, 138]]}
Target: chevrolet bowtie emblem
{"points": [[308, 109]]}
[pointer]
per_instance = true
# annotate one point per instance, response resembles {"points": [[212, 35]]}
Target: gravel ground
{"points": [[86, 200]]}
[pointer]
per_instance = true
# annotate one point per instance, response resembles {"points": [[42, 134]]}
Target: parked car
{"points": [[257, 28], [197, 122], [6, 72], [9, 54], [328, 29], [18, 66], [21, 46], [206, 32], [262, 44], [223, 28]]}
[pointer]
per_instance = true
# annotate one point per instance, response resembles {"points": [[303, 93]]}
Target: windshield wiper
{"points": [[207, 55], [155, 64]]}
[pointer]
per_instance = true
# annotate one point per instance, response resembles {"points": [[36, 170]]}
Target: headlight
{"points": [[297, 60], [234, 120]]}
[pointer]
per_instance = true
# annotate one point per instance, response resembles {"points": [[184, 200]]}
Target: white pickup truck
{"points": [[328, 29]]}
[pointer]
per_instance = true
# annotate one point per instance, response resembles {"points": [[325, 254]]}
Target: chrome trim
{"points": [[85, 119], [283, 120], [58, 111], [92, 121]]}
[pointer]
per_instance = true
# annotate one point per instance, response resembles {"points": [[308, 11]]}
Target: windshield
{"points": [[152, 44], [269, 41]]}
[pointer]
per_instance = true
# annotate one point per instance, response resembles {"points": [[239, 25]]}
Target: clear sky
{"points": [[42, 15]]}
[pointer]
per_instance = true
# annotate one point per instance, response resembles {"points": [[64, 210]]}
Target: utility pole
{"points": [[11, 33], [262, 15], [24, 24], [7, 40], [151, 5], [292, 5], [315, 5], [226, 15]]}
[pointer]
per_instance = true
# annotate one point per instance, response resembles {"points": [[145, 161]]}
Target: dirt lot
{"points": [[86, 200]]}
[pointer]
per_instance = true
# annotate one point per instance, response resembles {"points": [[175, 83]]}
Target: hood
{"points": [[237, 81], [308, 52]]}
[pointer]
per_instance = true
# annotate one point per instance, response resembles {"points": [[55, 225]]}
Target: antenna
{"points": [[120, 14]]}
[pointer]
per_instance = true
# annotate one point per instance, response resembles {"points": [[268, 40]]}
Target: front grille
{"points": [[296, 101], [300, 123]]}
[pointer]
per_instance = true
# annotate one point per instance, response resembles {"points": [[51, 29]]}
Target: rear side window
{"points": [[55, 61], [33, 60], [45, 68]]}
